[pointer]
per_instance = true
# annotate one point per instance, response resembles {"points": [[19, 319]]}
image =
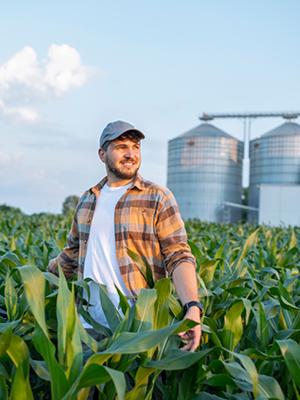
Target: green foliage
{"points": [[70, 204], [248, 281]]}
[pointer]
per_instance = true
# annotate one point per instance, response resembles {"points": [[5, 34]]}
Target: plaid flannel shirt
{"points": [[147, 221]]}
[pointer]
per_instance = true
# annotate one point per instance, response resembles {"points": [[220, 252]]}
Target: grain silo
{"points": [[204, 171], [274, 159]]}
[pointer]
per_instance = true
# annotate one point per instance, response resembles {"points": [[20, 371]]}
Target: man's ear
{"points": [[102, 155]]}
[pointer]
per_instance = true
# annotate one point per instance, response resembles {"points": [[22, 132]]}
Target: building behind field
{"points": [[205, 174], [204, 171]]}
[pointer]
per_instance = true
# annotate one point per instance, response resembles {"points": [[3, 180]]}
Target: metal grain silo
{"points": [[274, 159], [204, 171]]}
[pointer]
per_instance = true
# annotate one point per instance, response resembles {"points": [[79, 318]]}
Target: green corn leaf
{"points": [[85, 337], [144, 308], [207, 269], [126, 324], [19, 354], [219, 380], [5, 339], [267, 386], [3, 389], [96, 326], [233, 326], [10, 260], [210, 327], [239, 291], [132, 342], [291, 353], [34, 283], [141, 382], [207, 396], [275, 291], [286, 257], [176, 307], [259, 355], [250, 368], [179, 359], [164, 390], [248, 308], [84, 283], [59, 382], [112, 316], [69, 345], [95, 374], [143, 266], [293, 241], [188, 383], [262, 325], [286, 334], [123, 301], [51, 278], [40, 368], [248, 246], [20, 389], [161, 307]]}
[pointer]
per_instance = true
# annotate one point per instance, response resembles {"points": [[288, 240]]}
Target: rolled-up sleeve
{"points": [[68, 258], [172, 235]]}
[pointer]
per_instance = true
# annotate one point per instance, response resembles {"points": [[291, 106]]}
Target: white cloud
{"points": [[25, 80], [10, 159]]}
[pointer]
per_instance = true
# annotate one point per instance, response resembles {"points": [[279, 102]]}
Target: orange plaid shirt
{"points": [[147, 221]]}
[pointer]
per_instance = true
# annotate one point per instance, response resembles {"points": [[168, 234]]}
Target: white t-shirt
{"points": [[101, 262]]}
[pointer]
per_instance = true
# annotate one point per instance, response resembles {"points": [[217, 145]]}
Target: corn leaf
{"points": [[34, 283], [233, 327], [291, 353], [143, 266], [144, 307], [112, 316]]}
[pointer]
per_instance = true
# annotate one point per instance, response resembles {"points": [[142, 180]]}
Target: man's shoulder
{"points": [[153, 187]]}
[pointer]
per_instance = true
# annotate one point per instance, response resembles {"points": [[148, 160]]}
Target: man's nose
{"points": [[129, 153]]}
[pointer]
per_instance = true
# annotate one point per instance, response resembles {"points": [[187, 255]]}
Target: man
{"points": [[125, 211]]}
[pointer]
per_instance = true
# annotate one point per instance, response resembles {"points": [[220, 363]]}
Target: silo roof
{"points": [[286, 129], [207, 130]]}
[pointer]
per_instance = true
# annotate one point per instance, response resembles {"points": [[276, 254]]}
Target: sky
{"points": [[67, 68]]}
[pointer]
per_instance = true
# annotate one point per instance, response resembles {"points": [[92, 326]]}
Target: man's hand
{"points": [[194, 334], [185, 281]]}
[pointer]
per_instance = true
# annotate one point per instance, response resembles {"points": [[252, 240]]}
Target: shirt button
{"points": [[85, 242], [88, 220], [144, 209]]}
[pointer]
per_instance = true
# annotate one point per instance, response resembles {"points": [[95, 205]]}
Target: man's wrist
{"points": [[191, 304]]}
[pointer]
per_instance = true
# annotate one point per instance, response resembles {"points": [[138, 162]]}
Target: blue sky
{"points": [[68, 68]]}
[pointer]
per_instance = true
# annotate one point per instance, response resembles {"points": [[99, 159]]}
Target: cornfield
{"points": [[248, 282]]}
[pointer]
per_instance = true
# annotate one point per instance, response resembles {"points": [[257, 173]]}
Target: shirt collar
{"points": [[138, 182]]}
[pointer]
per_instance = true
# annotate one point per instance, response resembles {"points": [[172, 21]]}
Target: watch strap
{"points": [[193, 304]]}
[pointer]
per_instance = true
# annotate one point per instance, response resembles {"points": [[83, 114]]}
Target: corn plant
{"points": [[248, 281]]}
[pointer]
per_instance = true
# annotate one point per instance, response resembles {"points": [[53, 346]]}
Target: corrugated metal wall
{"points": [[204, 170]]}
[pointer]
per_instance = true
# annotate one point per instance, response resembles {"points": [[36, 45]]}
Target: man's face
{"points": [[122, 159]]}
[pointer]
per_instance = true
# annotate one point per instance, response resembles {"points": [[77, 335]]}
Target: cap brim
{"points": [[118, 134]]}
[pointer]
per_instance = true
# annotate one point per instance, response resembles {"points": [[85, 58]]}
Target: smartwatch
{"points": [[192, 304]]}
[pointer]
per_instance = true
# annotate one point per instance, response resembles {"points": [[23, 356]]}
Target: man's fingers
{"points": [[193, 335], [184, 335], [187, 346]]}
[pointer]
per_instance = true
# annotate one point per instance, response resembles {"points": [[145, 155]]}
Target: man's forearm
{"points": [[185, 282]]}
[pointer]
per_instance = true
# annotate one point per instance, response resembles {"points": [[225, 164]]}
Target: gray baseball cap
{"points": [[115, 129]]}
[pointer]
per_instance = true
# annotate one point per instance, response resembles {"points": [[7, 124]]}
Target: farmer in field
{"points": [[125, 211]]}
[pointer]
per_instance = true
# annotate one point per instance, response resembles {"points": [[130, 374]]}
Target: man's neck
{"points": [[116, 182]]}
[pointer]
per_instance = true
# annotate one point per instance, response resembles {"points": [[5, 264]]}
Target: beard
{"points": [[121, 174]]}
